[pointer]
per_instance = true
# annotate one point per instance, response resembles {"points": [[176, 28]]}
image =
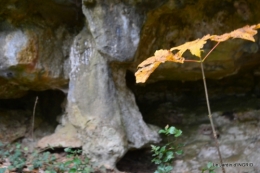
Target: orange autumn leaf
{"points": [[194, 46], [220, 38], [149, 65], [257, 26], [144, 72], [246, 33]]}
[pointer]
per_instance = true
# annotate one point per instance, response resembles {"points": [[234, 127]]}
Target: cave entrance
{"points": [[169, 102], [137, 161], [17, 115]]}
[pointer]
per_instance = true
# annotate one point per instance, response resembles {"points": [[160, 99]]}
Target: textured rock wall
{"points": [[33, 58], [85, 48]]}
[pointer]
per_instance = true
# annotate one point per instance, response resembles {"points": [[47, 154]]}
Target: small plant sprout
{"points": [[164, 155]]}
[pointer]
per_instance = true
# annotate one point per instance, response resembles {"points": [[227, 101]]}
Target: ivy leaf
{"points": [[76, 161], [155, 148], [169, 156], [178, 133], [168, 168], [68, 150], [162, 131], [209, 165], [72, 170], [172, 130], [67, 163], [179, 152], [163, 149], [157, 161], [150, 64]]}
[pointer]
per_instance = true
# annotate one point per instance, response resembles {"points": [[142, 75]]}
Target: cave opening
{"points": [[137, 161], [17, 119], [167, 102]]}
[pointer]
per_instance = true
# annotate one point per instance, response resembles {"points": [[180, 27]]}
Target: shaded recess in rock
{"points": [[130, 80], [42, 13], [169, 101], [137, 161], [49, 103], [17, 114]]}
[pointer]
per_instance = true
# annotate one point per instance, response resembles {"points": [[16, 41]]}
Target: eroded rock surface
{"points": [[101, 106], [238, 139], [64, 136], [90, 46], [13, 125], [33, 59]]}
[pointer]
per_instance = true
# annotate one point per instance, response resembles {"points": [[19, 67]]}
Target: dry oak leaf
{"points": [[194, 46], [149, 65], [246, 33]]}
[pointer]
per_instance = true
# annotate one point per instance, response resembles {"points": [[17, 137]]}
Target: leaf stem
{"points": [[210, 115], [190, 60], [210, 51]]}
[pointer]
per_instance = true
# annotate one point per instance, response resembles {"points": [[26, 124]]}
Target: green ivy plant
{"points": [[163, 155], [19, 158], [15, 155], [43, 160], [75, 163]]}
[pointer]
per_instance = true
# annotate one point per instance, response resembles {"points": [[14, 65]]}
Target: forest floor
{"points": [[137, 161]]}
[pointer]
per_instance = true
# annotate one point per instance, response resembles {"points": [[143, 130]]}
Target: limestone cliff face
{"points": [[85, 48]]}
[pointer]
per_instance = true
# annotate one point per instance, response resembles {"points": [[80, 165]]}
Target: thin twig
{"points": [[35, 103], [210, 116], [210, 52], [190, 60]]}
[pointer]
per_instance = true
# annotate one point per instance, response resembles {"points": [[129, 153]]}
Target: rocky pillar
{"points": [[100, 106]]}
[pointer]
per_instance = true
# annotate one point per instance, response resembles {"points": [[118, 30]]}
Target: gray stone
{"points": [[32, 59], [101, 107], [115, 28], [238, 145], [64, 136], [13, 125]]}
